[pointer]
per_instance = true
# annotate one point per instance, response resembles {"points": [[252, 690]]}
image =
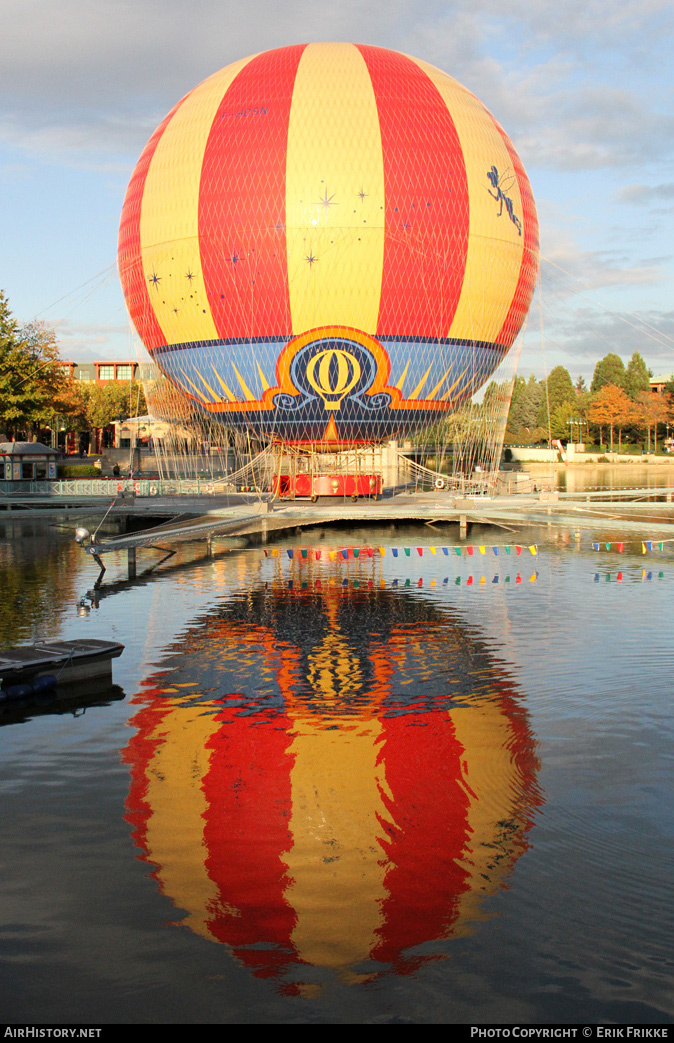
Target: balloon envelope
{"points": [[331, 780], [328, 241]]}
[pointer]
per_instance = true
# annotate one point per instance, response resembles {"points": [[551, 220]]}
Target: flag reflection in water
{"points": [[328, 779]]}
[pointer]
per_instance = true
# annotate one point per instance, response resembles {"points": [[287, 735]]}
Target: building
{"points": [[658, 383], [26, 460], [102, 372]]}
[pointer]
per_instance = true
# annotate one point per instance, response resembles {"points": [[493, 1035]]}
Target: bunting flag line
{"points": [[348, 553], [645, 576], [370, 584], [619, 545], [480, 582]]}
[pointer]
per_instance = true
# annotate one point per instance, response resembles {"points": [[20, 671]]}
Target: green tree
{"points": [[637, 376], [30, 379], [609, 370], [560, 389], [559, 420], [524, 405], [114, 401]]}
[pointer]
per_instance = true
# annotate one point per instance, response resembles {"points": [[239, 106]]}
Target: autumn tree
{"points": [[611, 407], [71, 403], [166, 402], [653, 410]]}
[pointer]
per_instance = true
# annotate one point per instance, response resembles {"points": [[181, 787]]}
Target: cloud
{"points": [[102, 143], [648, 195], [577, 338], [94, 342], [568, 269], [87, 82]]}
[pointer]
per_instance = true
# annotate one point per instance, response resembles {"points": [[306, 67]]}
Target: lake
{"points": [[411, 787]]}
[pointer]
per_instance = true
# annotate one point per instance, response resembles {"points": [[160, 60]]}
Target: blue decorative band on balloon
{"points": [[334, 380]]}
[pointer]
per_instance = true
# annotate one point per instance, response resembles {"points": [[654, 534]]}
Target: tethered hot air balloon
{"points": [[324, 801], [328, 243]]}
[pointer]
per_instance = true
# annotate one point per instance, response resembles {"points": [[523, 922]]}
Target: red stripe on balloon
{"points": [[246, 833], [139, 753], [242, 200], [426, 199], [526, 281], [427, 837], [129, 258]]}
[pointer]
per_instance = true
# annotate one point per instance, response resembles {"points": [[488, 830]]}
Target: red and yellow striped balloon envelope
{"points": [[328, 242], [333, 783]]}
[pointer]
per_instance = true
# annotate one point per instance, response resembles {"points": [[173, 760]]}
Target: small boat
{"points": [[50, 663]]}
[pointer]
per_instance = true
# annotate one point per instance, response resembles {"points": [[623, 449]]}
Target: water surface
{"points": [[425, 788]]}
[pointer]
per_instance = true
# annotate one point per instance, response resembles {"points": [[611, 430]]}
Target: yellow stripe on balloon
{"points": [[400, 383], [334, 192], [339, 807], [175, 795], [263, 379], [169, 216], [494, 245], [490, 783], [449, 391], [230, 394], [199, 393], [247, 393], [417, 390], [215, 396]]}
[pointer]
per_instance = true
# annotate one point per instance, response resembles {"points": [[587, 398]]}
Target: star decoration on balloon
{"points": [[326, 201]]}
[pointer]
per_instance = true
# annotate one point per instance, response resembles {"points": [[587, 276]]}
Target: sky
{"points": [[584, 89]]}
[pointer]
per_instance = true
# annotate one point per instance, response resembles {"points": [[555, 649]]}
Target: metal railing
{"points": [[113, 486]]}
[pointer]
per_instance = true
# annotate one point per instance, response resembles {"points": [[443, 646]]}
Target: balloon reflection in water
{"points": [[353, 777]]}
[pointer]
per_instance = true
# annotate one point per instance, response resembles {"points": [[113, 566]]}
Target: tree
{"points": [[114, 401], [167, 403], [559, 389], [609, 370], [652, 410], [524, 405], [611, 406], [30, 379], [559, 420], [637, 376]]}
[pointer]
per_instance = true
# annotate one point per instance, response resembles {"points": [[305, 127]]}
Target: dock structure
{"points": [[68, 661], [235, 519], [261, 521]]}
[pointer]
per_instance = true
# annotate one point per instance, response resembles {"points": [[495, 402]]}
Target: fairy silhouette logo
{"points": [[502, 184]]}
